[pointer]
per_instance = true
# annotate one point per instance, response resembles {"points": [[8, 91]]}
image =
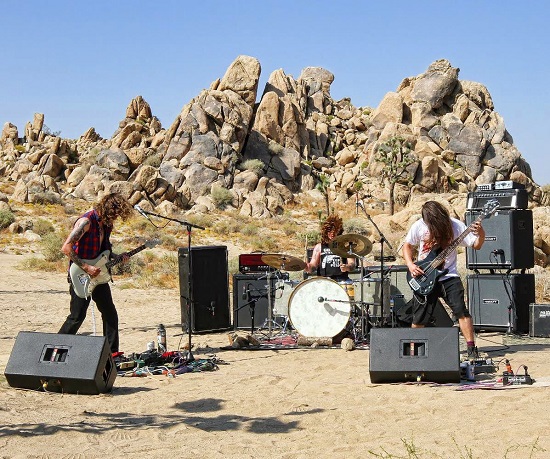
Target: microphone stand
{"points": [[190, 300], [382, 274]]}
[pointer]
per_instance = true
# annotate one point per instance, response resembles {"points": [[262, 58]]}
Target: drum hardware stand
{"points": [[269, 323], [382, 241], [191, 299]]}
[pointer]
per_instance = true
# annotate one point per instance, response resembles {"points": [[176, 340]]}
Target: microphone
{"points": [[320, 299], [141, 211]]}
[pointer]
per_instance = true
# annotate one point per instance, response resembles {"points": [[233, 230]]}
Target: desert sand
{"points": [[282, 403]]}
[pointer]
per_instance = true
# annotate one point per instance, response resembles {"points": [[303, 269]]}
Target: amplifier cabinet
{"points": [[499, 302], [539, 320], [508, 241]]}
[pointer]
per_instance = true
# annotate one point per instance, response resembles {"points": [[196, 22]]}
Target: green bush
{"points": [[6, 218], [42, 227], [221, 196], [51, 247], [253, 165]]}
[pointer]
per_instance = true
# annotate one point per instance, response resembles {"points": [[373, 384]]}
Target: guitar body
{"points": [[83, 284], [425, 283]]}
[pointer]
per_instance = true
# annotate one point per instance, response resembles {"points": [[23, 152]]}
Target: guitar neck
{"points": [[131, 253], [445, 252]]}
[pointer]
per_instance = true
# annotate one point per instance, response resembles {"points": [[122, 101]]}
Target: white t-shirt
{"points": [[419, 233]]}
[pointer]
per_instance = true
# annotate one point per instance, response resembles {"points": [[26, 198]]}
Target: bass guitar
{"points": [[83, 284], [424, 283]]}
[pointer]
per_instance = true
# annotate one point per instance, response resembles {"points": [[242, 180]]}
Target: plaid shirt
{"points": [[88, 247]]}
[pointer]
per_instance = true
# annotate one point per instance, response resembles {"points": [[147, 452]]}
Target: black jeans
{"points": [[104, 301], [451, 290]]}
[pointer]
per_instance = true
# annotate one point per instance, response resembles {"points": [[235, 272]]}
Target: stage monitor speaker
{"points": [[249, 287], [74, 364], [500, 302], [414, 354], [539, 320], [209, 285], [508, 241]]}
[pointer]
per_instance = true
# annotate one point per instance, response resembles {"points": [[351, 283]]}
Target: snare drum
{"points": [[283, 290], [319, 308]]}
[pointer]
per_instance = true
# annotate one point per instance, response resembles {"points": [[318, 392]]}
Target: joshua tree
{"points": [[323, 187], [395, 153]]}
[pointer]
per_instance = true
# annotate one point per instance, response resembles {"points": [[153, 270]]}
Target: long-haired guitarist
{"points": [[435, 231], [91, 236]]}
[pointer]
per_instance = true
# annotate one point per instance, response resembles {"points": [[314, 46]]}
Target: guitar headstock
{"points": [[152, 243], [490, 208]]}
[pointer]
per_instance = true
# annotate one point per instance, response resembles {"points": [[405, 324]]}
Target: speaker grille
{"points": [[208, 283], [501, 301], [508, 241]]}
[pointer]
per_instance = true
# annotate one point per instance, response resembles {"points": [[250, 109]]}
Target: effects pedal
{"points": [[516, 380]]}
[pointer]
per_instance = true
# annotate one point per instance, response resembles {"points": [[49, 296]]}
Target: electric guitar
{"points": [[424, 283], [83, 284]]}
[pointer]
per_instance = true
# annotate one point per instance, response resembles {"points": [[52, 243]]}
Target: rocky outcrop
{"points": [[266, 153]]}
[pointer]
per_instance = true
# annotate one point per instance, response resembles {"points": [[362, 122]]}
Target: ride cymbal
{"points": [[348, 245], [284, 262]]}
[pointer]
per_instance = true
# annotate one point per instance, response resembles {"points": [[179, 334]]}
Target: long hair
{"points": [[437, 218], [111, 206], [332, 223]]}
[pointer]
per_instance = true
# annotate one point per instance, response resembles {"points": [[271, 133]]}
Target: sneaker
{"points": [[473, 352]]}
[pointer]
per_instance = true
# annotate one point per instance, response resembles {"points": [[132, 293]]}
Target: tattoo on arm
{"points": [[76, 259], [74, 237]]}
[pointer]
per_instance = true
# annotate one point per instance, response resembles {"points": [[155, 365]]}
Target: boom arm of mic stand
{"points": [[382, 238], [182, 222]]}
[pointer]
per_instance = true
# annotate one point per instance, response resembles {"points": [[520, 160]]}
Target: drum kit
{"points": [[319, 307]]}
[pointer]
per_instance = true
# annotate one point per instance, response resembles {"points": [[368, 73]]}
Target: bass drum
{"points": [[319, 308]]}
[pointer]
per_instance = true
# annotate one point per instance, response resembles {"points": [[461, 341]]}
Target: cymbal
{"points": [[359, 245], [284, 262]]}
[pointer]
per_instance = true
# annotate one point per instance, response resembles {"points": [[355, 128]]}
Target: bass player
{"points": [[91, 236], [435, 231]]}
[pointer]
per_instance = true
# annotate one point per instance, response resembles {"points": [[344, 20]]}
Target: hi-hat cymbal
{"points": [[284, 262], [348, 245]]}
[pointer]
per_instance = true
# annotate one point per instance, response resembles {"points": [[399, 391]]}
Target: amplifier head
{"points": [[485, 187]]}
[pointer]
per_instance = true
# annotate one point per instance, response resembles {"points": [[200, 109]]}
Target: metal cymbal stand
{"points": [[269, 322], [382, 240]]}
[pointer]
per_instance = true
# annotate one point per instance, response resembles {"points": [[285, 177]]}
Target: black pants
{"points": [[104, 301]]}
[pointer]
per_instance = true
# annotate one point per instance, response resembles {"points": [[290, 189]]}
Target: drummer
{"points": [[323, 260]]}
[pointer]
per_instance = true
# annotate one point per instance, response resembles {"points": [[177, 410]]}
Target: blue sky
{"points": [[81, 63]]}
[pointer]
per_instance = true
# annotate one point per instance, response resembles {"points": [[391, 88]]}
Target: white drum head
{"points": [[319, 308]]}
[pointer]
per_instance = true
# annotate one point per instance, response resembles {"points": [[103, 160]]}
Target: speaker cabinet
{"points": [[508, 241], [74, 364], [499, 302], [539, 320], [205, 287], [251, 291], [412, 354]]}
